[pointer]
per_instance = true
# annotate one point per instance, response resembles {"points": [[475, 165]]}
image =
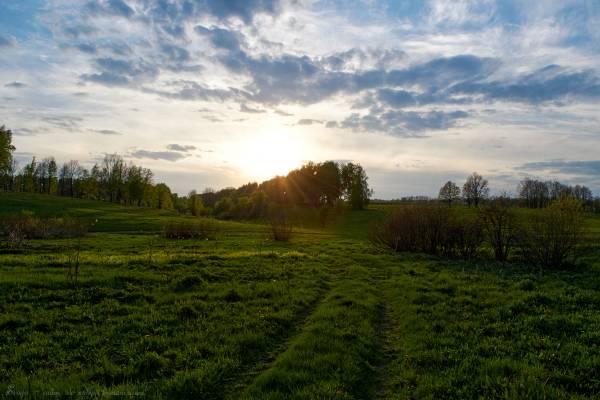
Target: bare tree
{"points": [[537, 194], [582, 193], [449, 193], [475, 189]]}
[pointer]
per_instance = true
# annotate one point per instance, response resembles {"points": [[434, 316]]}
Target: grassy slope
{"points": [[323, 316], [110, 217]]}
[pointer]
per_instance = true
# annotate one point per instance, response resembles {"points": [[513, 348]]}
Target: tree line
{"points": [[532, 193], [316, 185], [114, 180]]}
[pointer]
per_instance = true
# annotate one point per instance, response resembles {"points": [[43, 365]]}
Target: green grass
{"points": [[324, 316]]}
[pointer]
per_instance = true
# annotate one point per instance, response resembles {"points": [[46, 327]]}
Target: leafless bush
{"points": [[464, 236], [201, 229], [431, 229], [410, 228], [553, 236], [501, 227]]}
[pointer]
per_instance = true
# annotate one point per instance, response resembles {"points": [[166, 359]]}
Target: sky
{"points": [[217, 93]]}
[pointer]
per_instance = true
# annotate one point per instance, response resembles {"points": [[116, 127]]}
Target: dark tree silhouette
{"points": [[6, 160], [355, 185], [475, 189], [449, 193]]}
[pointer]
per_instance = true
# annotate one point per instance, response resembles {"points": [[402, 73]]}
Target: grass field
{"points": [[324, 316]]}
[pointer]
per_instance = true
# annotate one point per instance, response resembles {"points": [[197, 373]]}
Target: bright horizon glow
{"points": [[270, 154]]}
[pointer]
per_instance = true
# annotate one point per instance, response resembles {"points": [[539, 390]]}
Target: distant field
{"points": [[323, 316]]}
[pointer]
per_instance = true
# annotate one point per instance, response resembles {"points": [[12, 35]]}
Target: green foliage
{"points": [[355, 185], [194, 204], [223, 208], [6, 149]]}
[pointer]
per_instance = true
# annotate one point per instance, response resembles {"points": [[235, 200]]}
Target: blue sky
{"points": [[217, 93]]}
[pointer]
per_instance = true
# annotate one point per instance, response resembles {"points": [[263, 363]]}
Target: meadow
{"points": [[323, 316]]}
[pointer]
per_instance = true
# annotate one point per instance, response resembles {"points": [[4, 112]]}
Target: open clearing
{"points": [[322, 316]]}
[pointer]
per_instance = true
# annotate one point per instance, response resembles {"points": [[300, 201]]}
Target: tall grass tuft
{"points": [[280, 226]]}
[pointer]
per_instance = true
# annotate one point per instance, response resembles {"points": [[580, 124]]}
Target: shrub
{"points": [[20, 227], [410, 228], [464, 237], [501, 227], [202, 229], [553, 236], [429, 228]]}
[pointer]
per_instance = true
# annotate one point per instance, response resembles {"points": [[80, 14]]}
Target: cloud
{"points": [[402, 123], [109, 7], [591, 167], [247, 109], [396, 98], [121, 72], [7, 40], [16, 85], [176, 53], [243, 9], [78, 30], [288, 78], [106, 131], [190, 90], [283, 113], [27, 131], [158, 155], [220, 38], [106, 78], [87, 48], [308, 121], [180, 147], [550, 83], [66, 123]]}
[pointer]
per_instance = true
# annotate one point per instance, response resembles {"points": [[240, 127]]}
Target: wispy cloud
{"points": [[180, 147], [158, 155], [106, 132], [16, 85], [591, 167]]}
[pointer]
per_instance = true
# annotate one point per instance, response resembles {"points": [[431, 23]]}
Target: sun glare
{"points": [[270, 154]]}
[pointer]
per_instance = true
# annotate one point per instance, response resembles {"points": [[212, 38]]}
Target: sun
{"points": [[267, 155]]}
